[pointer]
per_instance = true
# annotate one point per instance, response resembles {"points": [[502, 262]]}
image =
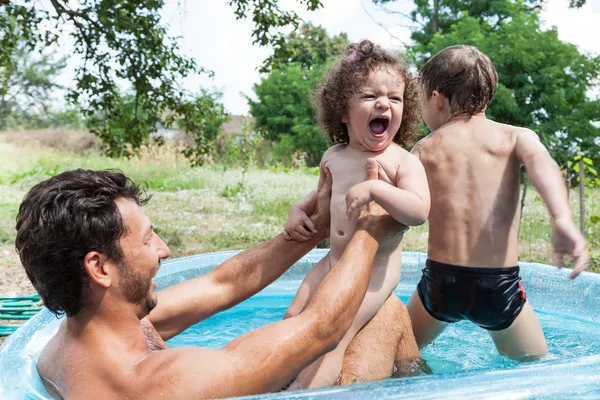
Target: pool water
{"points": [[463, 346], [465, 362]]}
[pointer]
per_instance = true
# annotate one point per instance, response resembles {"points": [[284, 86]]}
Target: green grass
{"points": [[215, 207]]}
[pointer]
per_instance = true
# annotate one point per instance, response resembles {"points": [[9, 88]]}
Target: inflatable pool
{"points": [[463, 358]]}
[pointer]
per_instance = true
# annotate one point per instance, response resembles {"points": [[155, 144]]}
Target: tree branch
{"points": [[382, 26], [393, 12]]}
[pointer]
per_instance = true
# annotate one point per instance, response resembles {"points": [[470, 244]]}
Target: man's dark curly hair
{"points": [[62, 219], [462, 74], [345, 78]]}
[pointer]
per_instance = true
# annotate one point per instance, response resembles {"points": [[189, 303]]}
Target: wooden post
{"points": [[525, 185], [581, 196], [568, 182]]}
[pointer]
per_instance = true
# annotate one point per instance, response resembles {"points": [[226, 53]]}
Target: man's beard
{"points": [[136, 288]]}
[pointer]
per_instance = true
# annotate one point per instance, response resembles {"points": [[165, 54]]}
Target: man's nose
{"points": [[162, 249]]}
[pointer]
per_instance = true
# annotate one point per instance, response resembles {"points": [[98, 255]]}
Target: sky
{"points": [[217, 41], [210, 34]]}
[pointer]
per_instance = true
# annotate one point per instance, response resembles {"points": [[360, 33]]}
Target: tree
{"points": [[125, 40], [204, 113], [309, 46], [26, 83], [283, 111], [544, 84]]}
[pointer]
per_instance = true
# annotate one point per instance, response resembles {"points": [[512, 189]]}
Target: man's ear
{"points": [[345, 118], [438, 99], [98, 268]]}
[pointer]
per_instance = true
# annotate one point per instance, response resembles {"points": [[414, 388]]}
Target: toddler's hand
{"points": [[298, 226], [358, 196]]}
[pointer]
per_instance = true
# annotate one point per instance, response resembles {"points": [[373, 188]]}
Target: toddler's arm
{"points": [[298, 226], [408, 202], [545, 175]]}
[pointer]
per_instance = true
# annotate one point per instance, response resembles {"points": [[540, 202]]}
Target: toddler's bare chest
{"points": [[347, 173]]}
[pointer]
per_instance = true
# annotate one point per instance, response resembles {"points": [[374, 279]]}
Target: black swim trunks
{"points": [[489, 297]]}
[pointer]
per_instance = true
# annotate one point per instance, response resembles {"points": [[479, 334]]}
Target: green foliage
{"points": [[130, 125], [589, 172], [283, 112], [544, 83], [124, 40], [26, 81], [203, 119], [309, 46]]}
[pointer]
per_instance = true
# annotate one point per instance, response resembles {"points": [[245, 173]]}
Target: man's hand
{"points": [[568, 240], [321, 217]]}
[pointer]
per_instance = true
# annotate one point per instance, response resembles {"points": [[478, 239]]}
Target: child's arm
{"points": [[408, 202], [545, 175], [298, 226]]}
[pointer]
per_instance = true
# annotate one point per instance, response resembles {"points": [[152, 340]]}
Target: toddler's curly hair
{"points": [[345, 78]]}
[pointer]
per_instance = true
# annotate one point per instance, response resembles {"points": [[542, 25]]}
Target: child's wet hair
{"points": [[345, 78], [462, 74]]}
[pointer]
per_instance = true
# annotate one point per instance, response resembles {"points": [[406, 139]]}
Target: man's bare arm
{"points": [[545, 175], [265, 359], [238, 278]]}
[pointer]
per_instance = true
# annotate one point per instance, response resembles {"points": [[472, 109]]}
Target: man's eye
{"points": [[396, 98], [368, 96]]}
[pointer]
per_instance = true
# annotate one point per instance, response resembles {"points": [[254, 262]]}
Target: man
{"points": [[91, 253]]}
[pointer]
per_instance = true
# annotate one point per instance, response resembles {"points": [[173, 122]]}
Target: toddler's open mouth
{"points": [[379, 125]]}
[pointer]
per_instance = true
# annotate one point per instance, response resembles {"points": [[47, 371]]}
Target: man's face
{"points": [[142, 252]]}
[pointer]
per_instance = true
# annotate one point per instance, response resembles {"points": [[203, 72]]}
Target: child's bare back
{"points": [[474, 167]]}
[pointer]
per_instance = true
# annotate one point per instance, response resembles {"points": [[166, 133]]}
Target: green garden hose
{"points": [[18, 308]]}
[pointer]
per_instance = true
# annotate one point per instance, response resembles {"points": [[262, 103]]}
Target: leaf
{"points": [[588, 161], [595, 219], [592, 171]]}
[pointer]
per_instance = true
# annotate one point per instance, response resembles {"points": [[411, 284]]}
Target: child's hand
{"points": [[568, 240], [298, 226], [358, 196]]}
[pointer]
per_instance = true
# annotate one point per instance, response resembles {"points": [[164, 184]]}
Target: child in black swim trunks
{"points": [[472, 166]]}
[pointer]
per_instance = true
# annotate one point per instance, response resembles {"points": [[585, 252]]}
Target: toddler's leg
{"points": [[326, 370], [524, 339], [425, 327], [308, 287]]}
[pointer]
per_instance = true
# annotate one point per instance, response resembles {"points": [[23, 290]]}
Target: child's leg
{"points": [[524, 339], [308, 287], [425, 327], [326, 370]]}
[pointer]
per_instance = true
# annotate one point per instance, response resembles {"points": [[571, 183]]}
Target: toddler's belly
{"points": [[386, 267]]}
